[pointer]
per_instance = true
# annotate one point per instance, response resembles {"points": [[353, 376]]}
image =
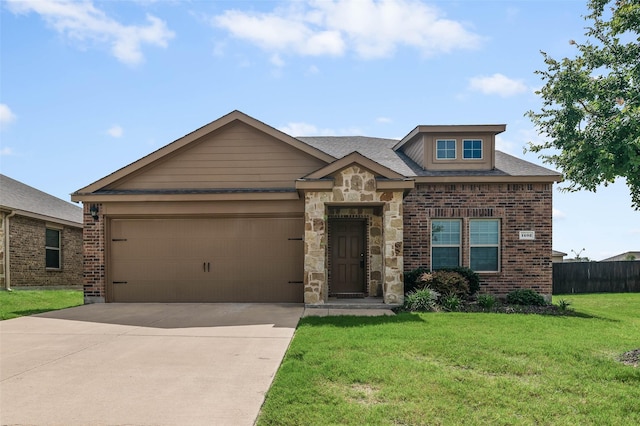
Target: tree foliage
{"points": [[590, 115]]}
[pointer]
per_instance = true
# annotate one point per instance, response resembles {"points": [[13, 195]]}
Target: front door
{"points": [[347, 246]]}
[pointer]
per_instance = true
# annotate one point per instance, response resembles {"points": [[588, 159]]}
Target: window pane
{"points": [[445, 232], [483, 232], [52, 238], [445, 257], [53, 258], [484, 258], [472, 148], [446, 149]]}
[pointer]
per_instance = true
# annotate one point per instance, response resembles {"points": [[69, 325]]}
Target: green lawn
{"points": [[19, 303], [463, 368]]}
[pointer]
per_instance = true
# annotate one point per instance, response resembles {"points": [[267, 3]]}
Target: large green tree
{"points": [[590, 114]]}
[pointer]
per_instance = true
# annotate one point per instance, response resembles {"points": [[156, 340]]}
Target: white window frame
{"points": [[497, 245], [459, 245], [47, 248], [481, 149], [455, 149]]}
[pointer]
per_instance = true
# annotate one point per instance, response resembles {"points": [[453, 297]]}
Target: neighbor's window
{"points": [[472, 149], [52, 248], [484, 245], [445, 149], [445, 243]]}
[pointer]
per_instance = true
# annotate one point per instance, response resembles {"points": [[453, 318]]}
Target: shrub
{"points": [[421, 300], [473, 279], [486, 301], [563, 305], [525, 296], [451, 302], [446, 282], [411, 279]]}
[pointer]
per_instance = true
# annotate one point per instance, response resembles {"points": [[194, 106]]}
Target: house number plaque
{"points": [[527, 235]]}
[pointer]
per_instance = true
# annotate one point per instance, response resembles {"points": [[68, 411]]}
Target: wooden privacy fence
{"points": [[596, 277]]}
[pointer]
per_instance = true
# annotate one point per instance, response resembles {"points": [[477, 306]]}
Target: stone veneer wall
{"points": [[94, 257], [27, 254], [520, 207], [352, 186]]}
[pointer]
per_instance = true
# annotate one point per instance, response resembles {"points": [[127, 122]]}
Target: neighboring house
{"points": [[629, 255], [238, 211], [558, 256], [40, 238]]}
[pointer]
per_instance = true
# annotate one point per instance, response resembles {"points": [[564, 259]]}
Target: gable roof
{"points": [[193, 136], [382, 152], [28, 201], [355, 158]]}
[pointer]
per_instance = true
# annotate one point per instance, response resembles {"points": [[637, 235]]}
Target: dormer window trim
{"points": [[449, 146], [473, 149]]}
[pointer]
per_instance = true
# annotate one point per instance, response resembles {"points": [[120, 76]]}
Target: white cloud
{"points": [[383, 120], [505, 145], [6, 115], [371, 29], [277, 60], [497, 84], [6, 151], [115, 131], [306, 129], [300, 129], [635, 231], [557, 214], [83, 21]]}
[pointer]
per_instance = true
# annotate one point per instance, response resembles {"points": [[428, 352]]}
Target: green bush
{"points": [[446, 282], [411, 279], [421, 300], [473, 279], [525, 296], [486, 301], [451, 303]]}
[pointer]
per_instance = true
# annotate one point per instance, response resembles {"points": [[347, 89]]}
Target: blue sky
{"points": [[88, 87]]}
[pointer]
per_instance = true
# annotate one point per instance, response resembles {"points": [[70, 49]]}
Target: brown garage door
{"points": [[206, 260]]}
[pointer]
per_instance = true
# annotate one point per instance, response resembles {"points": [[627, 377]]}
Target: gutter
{"points": [[7, 243]]}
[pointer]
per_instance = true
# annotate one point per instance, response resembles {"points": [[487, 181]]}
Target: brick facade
{"points": [[27, 254], [519, 207], [94, 257]]}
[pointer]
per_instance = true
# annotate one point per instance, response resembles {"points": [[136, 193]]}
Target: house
{"points": [[40, 238], [629, 255], [237, 211], [558, 256]]}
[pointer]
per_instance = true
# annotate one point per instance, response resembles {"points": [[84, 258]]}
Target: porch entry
{"points": [[348, 257]]}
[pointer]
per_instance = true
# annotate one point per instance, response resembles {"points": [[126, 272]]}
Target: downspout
{"points": [[7, 243]]}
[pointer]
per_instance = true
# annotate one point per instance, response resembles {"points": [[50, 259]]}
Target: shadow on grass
{"points": [[359, 321]]}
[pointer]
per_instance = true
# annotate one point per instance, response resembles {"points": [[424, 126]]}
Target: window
{"points": [[445, 149], [52, 248], [445, 243], [484, 244], [472, 149]]}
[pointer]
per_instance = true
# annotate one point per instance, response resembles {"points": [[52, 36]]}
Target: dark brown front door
{"points": [[347, 248]]}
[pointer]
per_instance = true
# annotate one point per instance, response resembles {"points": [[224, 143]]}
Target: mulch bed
{"points": [[520, 309]]}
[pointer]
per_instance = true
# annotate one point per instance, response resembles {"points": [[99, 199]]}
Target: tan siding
{"points": [[415, 151], [237, 156]]}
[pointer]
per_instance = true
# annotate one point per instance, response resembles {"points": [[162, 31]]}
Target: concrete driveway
{"points": [[142, 364]]}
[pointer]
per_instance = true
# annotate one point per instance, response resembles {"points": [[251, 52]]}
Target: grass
{"points": [[463, 368], [20, 303]]}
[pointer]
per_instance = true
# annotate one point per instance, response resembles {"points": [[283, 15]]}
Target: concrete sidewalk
{"points": [[142, 364]]}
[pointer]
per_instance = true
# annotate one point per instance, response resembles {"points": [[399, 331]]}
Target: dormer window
{"points": [[446, 149], [472, 149]]}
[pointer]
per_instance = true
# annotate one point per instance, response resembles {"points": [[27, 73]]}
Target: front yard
{"points": [[463, 368], [19, 303]]}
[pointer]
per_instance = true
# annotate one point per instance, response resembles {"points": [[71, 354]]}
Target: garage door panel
{"points": [[206, 260]]}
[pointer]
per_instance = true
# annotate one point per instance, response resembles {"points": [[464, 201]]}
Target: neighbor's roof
{"points": [[622, 256], [381, 151], [17, 196]]}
